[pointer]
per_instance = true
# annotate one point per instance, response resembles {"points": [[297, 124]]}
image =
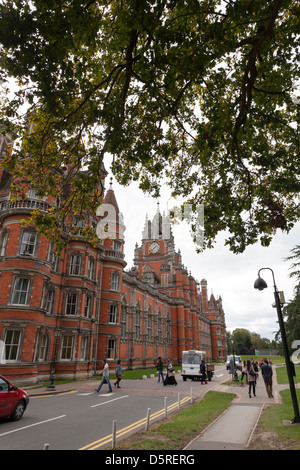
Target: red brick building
{"points": [[71, 312]]}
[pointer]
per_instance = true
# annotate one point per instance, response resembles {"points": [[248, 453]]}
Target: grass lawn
{"points": [[282, 377], [183, 427], [272, 425]]}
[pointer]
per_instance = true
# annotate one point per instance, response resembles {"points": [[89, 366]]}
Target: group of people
{"points": [[250, 370], [170, 372], [105, 376], [168, 380]]}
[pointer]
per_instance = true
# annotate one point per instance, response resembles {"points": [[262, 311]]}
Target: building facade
{"points": [[65, 314]]}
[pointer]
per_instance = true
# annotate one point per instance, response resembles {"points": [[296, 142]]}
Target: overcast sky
{"points": [[228, 275]]}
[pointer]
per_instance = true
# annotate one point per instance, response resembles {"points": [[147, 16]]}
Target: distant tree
{"points": [[199, 95], [242, 341], [258, 342]]}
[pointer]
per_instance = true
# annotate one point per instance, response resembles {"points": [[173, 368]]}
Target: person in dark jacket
{"points": [[159, 367], [267, 373], [170, 377], [203, 371]]}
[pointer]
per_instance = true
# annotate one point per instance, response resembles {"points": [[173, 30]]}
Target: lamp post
{"points": [[261, 284], [51, 385], [234, 372]]}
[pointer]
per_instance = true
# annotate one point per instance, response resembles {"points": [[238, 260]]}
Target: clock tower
{"points": [[156, 258]]}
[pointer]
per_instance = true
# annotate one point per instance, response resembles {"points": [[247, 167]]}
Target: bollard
{"points": [[192, 399], [166, 409], [113, 440], [148, 419], [179, 401], [46, 446]]}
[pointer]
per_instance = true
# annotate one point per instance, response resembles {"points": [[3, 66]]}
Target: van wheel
{"points": [[18, 411]]}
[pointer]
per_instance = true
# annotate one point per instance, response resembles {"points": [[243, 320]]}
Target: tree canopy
{"points": [[198, 95], [246, 342]]}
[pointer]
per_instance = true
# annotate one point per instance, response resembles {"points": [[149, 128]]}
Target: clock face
{"points": [[154, 248]]}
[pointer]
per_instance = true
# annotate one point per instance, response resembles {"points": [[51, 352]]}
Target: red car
{"points": [[13, 400]]}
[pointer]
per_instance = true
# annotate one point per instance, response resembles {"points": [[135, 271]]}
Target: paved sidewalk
{"points": [[234, 428]]}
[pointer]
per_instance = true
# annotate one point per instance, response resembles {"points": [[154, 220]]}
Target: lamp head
{"points": [[260, 284]]}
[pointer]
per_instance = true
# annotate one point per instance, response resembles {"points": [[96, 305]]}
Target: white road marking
{"points": [[109, 401], [31, 425]]}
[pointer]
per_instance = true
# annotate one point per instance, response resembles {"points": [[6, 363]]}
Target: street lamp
{"points": [[233, 368], [261, 284], [51, 385]]}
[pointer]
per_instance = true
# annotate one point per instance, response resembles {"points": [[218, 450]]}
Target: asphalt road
{"points": [[83, 419]]}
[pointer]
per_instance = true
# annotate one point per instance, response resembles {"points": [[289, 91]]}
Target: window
{"points": [[42, 347], [4, 387], [159, 328], [138, 325], [149, 325], [67, 347], [88, 306], [165, 280], [168, 329], [53, 258], [84, 347], [12, 345], [3, 242], [28, 243], [75, 265], [113, 313], [20, 291], [71, 303], [123, 320], [117, 245], [49, 299], [91, 268], [111, 344], [115, 281]]}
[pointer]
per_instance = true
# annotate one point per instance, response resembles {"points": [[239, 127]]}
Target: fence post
{"points": [[148, 419], [114, 427], [179, 401], [166, 409]]}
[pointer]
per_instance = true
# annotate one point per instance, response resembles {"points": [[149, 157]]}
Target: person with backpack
{"points": [[267, 373], [119, 373]]}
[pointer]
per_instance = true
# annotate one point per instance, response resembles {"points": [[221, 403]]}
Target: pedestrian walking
{"points": [[105, 377], [244, 373], [267, 373], [159, 367], [251, 377], [170, 376], [203, 371], [119, 373]]}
